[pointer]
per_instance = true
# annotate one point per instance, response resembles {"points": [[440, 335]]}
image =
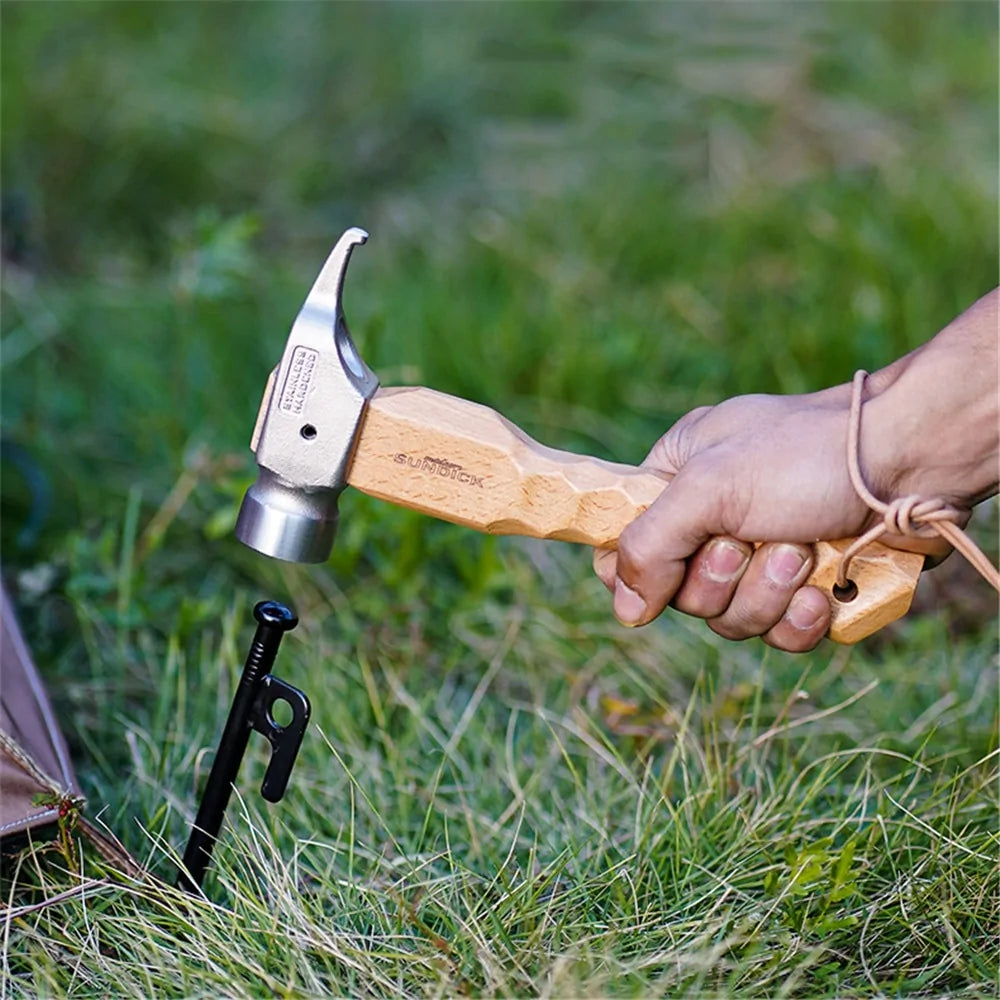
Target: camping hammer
{"points": [[324, 423]]}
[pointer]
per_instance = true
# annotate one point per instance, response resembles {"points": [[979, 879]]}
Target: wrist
{"points": [[930, 421]]}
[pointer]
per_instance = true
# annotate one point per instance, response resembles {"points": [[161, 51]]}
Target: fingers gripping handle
{"points": [[464, 463]]}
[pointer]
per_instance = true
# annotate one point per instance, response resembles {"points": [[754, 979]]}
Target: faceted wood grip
{"points": [[463, 462]]}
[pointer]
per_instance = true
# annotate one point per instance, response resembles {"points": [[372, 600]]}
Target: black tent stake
{"points": [[255, 696]]}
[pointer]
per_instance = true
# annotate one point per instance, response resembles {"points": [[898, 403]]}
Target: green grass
{"points": [[592, 217]]}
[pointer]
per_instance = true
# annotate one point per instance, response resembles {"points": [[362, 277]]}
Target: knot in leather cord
{"points": [[916, 516], [911, 515]]}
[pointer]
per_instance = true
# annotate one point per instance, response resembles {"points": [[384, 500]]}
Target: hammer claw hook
{"points": [[328, 288], [327, 297]]}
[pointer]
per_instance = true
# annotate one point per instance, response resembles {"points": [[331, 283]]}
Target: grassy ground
{"points": [[592, 217]]}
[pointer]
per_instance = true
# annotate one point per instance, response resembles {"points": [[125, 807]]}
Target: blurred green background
{"points": [[591, 216]]}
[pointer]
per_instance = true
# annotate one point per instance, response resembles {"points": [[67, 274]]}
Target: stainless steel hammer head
{"points": [[308, 424]]}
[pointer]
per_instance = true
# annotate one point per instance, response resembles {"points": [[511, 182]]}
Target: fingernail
{"points": [[803, 615], [630, 608], [724, 560], [784, 563]]}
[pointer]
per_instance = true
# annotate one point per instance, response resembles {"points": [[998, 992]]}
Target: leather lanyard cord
{"points": [[910, 515]]}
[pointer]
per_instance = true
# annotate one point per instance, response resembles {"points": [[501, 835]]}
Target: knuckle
{"points": [[673, 448], [702, 600], [741, 621], [808, 614], [635, 556], [724, 629], [676, 447], [791, 640], [693, 603]]}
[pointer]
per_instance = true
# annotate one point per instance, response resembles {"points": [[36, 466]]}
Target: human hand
{"points": [[751, 469], [772, 469]]}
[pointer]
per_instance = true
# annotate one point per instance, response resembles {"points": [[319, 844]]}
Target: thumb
{"points": [[653, 549]]}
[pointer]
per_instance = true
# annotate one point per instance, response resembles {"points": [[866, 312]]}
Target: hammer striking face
{"points": [[324, 423]]}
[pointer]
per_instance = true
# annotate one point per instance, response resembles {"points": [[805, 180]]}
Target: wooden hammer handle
{"points": [[465, 463]]}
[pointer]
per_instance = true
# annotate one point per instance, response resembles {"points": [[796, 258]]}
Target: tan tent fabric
{"points": [[35, 769]]}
